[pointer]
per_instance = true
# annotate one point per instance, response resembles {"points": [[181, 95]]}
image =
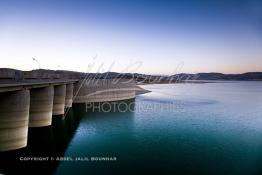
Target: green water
{"points": [[184, 129], [212, 128]]}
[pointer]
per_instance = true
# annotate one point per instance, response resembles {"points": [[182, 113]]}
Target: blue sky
{"points": [[147, 36]]}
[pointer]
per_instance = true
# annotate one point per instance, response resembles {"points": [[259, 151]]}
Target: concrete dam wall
{"points": [[28, 104], [103, 90]]}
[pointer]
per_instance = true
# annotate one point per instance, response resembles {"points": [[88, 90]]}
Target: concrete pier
{"points": [[69, 95], [14, 119], [59, 99], [41, 106]]}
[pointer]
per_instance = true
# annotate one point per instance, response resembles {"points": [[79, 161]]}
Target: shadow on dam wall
{"points": [[52, 141], [43, 142]]}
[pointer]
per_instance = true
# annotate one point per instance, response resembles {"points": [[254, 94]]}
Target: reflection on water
{"points": [[50, 141], [101, 133]]}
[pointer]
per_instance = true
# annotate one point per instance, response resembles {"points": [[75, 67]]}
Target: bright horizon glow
{"points": [[167, 37]]}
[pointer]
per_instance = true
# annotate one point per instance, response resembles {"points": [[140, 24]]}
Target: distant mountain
{"points": [[17, 75], [249, 76], [219, 76]]}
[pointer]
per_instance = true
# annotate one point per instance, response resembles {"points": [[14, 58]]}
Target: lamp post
{"points": [[37, 62]]}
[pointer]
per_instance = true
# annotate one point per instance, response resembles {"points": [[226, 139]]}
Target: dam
{"points": [[30, 99]]}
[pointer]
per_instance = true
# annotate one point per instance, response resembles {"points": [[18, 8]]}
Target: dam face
{"points": [[14, 119], [103, 90]]}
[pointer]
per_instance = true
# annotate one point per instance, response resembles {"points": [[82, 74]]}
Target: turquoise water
{"points": [[211, 128]]}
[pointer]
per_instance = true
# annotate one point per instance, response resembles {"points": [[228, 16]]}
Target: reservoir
{"points": [[187, 128]]}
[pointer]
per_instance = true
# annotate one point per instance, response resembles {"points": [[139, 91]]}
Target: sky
{"points": [[145, 36]]}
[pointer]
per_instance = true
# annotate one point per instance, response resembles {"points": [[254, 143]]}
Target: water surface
{"points": [[210, 128]]}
